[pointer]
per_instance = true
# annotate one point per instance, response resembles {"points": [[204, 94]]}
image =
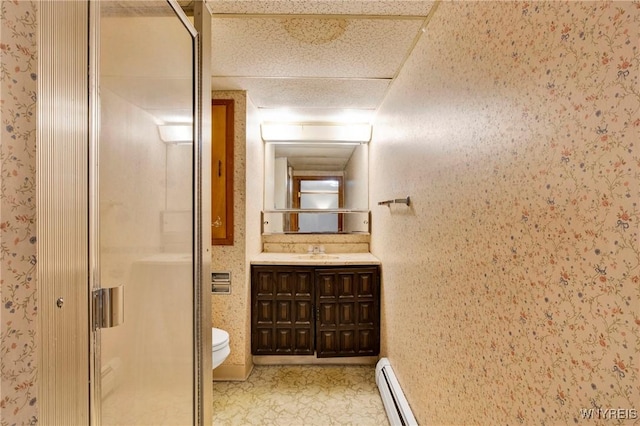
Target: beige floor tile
{"points": [[301, 395]]}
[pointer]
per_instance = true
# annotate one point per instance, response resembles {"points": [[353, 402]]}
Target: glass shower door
{"points": [[145, 183]]}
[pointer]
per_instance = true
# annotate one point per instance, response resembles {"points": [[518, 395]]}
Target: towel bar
{"points": [[406, 201]]}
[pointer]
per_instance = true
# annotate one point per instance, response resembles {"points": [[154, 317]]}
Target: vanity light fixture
{"points": [[176, 133], [316, 132]]}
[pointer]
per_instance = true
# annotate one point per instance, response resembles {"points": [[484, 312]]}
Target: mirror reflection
{"points": [[313, 187]]}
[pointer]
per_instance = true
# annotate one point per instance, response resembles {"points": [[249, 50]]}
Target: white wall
{"points": [[280, 184], [356, 189], [356, 179], [254, 191]]}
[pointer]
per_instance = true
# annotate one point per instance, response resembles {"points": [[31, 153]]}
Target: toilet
{"points": [[220, 347]]}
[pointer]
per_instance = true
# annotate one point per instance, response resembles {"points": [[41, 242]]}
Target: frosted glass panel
{"points": [[318, 201], [146, 225], [318, 222], [319, 185]]}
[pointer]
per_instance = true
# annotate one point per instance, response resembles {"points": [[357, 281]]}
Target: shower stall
{"points": [[136, 152]]}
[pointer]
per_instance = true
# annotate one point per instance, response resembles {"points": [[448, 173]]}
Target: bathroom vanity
{"points": [[323, 304]]}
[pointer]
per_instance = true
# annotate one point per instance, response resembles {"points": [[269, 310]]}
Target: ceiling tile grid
{"points": [[318, 57]]}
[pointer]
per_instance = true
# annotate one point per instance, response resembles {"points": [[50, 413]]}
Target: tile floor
{"points": [[301, 395]]}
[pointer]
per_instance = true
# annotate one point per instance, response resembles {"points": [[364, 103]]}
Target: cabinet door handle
{"points": [[219, 168]]}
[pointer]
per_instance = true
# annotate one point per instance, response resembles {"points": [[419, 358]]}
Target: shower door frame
{"points": [[199, 32]]}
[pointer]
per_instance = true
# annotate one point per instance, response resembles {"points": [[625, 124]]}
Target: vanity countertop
{"points": [[315, 259]]}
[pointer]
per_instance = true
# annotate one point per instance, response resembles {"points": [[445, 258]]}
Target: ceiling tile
{"points": [[314, 58], [313, 114], [326, 7], [311, 46], [328, 157], [301, 93]]}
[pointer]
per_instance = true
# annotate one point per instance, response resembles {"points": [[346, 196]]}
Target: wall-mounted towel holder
{"points": [[406, 201]]}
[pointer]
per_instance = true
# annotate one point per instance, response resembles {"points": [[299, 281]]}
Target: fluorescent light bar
{"points": [[176, 133], [315, 132]]}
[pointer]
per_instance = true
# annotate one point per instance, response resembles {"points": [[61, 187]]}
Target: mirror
{"points": [[330, 180]]}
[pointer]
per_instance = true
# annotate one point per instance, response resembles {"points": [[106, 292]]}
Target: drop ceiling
{"points": [[314, 58], [323, 157]]}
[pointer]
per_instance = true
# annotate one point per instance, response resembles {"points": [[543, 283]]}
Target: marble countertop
{"points": [[315, 259]]}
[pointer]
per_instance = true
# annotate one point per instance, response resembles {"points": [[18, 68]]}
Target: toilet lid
{"points": [[220, 338]]}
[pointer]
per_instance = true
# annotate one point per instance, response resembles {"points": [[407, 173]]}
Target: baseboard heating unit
{"points": [[395, 404]]}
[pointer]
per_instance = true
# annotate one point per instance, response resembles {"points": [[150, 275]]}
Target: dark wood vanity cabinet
{"points": [[300, 310], [347, 311], [282, 319]]}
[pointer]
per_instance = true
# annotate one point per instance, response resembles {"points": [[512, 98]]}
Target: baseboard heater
{"points": [[395, 404]]}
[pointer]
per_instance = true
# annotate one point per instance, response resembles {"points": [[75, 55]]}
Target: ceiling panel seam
{"points": [[283, 77], [318, 16], [422, 30]]}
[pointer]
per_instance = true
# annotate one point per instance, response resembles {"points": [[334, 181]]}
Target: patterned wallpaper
{"points": [[17, 203], [512, 283], [231, 312], [513, 128]]}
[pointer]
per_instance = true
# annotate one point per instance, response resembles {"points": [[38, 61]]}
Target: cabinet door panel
{"points": [[347, 313], [264, 313], [367, 342], [263, 340], [366, 286], [283, 312], [303, 341], [303, 313], [328, 341], [284, 284], [326, 287], [264, 284], [347, 342], [328, 315], [304, 285], [366, 313], [347, 288], [284, 340]]}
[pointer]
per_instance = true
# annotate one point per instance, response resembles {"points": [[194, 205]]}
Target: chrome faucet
{"points": [[315, 249]]}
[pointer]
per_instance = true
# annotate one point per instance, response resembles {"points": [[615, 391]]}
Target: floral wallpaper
{"points": [[511, 285], [513, 127], [17, 203]]}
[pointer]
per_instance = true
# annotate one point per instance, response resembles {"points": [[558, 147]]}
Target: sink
{"points": [[337, 259], [318, 256]]}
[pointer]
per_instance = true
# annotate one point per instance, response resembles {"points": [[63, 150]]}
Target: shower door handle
{"points": [[108, 307]]}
